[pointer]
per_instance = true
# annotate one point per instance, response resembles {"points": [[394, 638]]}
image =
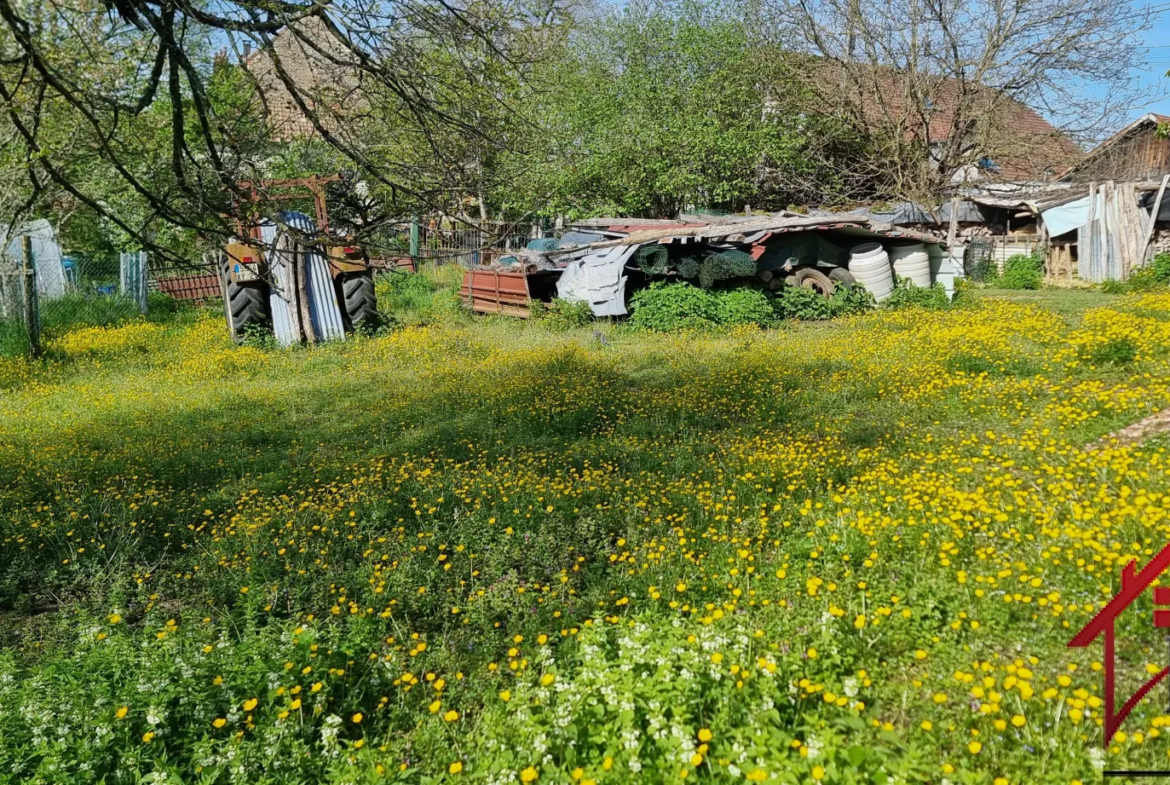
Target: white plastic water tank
{"points": [[870, 266], [936, 254], [911, 261]]}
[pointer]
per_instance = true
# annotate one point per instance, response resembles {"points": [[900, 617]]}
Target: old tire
{"points": [[842, 278], [359, 301], [814, 279], [245, 305]]}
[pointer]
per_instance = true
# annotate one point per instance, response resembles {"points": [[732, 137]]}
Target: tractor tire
{"points": [[359, 301], [245, 305], [842, 278], [811, 278]]}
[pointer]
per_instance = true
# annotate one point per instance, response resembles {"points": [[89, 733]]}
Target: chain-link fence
{"points": [[81, 290], [44, 292]]}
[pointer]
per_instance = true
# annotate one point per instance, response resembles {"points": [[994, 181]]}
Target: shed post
{"points": [[954, 227], [414, 241], [32, 320]]}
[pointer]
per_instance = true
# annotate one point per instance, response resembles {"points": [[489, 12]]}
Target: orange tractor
{"points": [[257, 297]]}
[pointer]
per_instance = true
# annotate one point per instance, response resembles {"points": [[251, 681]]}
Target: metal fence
{"points": [[78, 291], [48, 293], [469, 245]]}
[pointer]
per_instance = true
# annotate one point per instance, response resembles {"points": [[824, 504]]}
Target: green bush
{"points": [[663, 307], [798, 302], [1155, 275], [1144, 279], [1161, 267], [743, 306], [907, 295], [563, 314], [1022, 271], [423, 297]]}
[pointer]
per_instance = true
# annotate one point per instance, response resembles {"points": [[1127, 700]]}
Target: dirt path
{"points": [[1155, 424]]}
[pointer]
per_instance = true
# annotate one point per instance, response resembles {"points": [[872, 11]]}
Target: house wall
{"points": [[326, 86]]}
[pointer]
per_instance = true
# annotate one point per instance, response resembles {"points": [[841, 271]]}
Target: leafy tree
{"points": [[121, 108], [652, 110]]}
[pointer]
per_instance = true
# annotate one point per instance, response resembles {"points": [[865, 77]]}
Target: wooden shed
{"points": [[1140, 152]]}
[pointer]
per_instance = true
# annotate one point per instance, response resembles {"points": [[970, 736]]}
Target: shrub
{"points": [[907, 295], [563, 314], [418, 297], [1155, 275], [798, 302], [1161, 267], [743, 306], [663, 307], [1023, 272], [1144, 279]]}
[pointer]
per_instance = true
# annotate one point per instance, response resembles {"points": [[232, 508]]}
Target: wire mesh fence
{"points": [[470, 245], [69, 292], [81, 290]]}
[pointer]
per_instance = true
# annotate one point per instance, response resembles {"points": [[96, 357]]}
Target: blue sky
{"points": [[1157, 42]]}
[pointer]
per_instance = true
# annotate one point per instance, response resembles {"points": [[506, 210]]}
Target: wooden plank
{"points": [[1154, 218]]}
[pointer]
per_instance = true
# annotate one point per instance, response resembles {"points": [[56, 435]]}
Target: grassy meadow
{"points": [[491, 551]]}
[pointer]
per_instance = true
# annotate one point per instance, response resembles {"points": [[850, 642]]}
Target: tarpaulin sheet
{"points": [[1068, 216], [598, 280], [50, 271]]}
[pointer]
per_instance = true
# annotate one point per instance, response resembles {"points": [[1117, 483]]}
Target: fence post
{"points": [[414, 241], [32, 320]]}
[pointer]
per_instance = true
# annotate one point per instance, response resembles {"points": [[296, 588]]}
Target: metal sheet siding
{"points": [[278, 299], [323, 308]]}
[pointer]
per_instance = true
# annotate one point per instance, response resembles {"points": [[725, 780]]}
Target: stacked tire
{"points": [[870, 266], [912, 262]]}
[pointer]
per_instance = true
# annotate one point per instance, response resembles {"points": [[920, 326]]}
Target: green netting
{"points": [[726, 264], [689, 267], [716, 267], [652, 259]]}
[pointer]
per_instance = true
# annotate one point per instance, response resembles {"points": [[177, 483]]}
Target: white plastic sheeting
{"points": [[1070, 215], [598, 280], [324, 312], [46, 256], [132, 272]]}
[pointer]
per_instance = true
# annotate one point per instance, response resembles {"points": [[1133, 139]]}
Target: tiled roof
{"points": [[1027, 147]]}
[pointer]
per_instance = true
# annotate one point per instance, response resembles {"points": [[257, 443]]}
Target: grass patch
{"points": [[526, 551]]}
